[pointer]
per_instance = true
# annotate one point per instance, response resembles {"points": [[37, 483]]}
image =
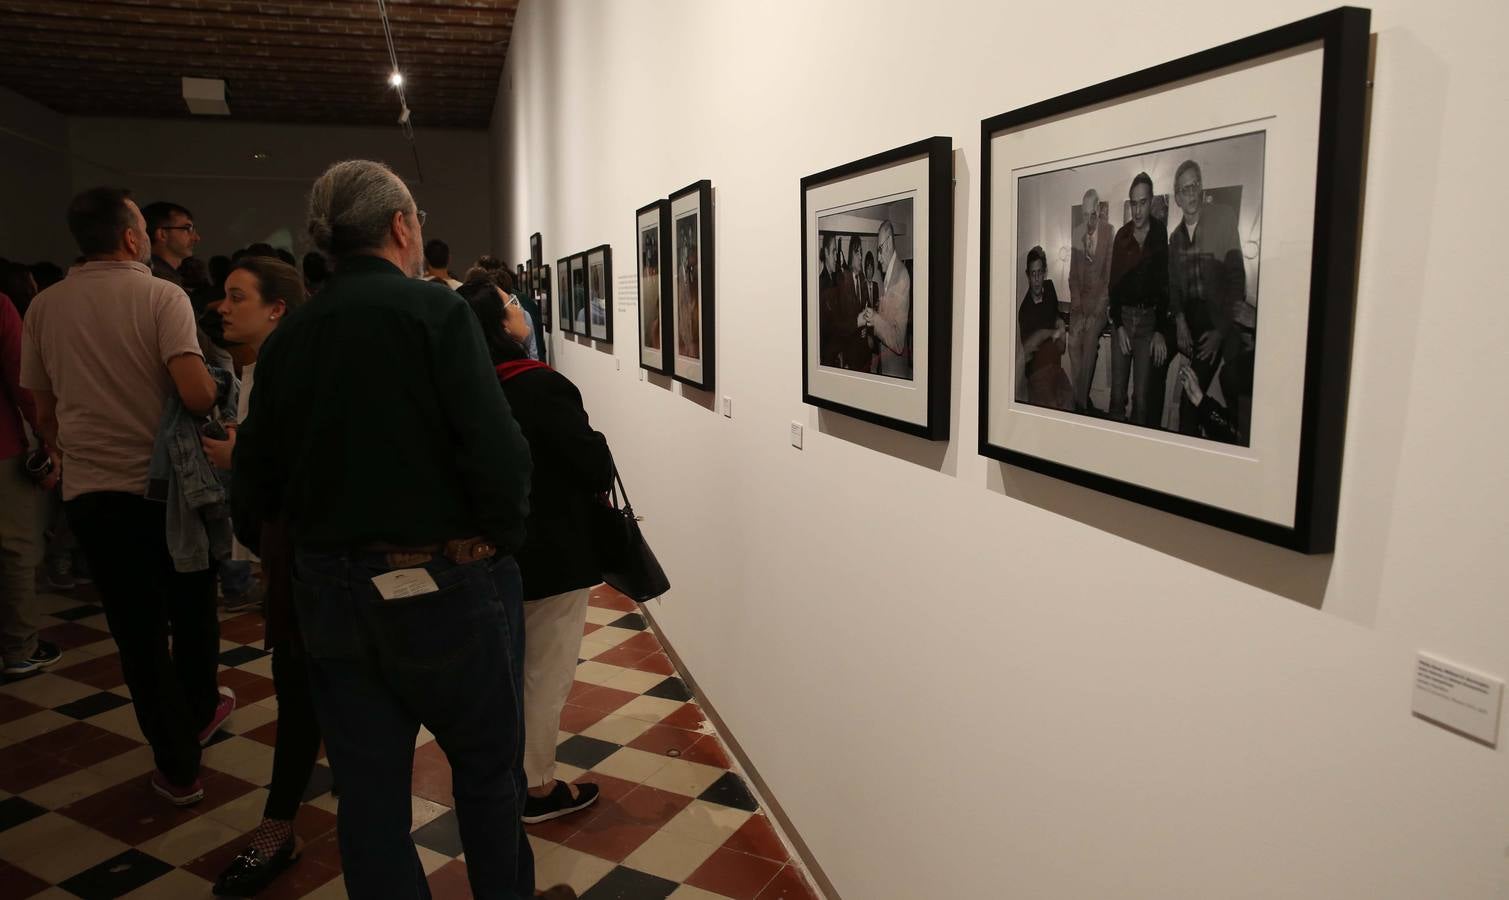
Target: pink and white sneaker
{"points": [[177, 794], [223, 710]]}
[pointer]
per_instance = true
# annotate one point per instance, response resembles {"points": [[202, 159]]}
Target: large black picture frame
{"points": [[658, 212], [939, 287], [1343, 36], [607, 331], [703, 376]]}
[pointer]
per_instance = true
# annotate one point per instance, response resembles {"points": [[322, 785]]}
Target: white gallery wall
{"points": [[962, 679]]}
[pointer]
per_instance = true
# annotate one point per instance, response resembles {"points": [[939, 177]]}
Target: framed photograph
{"points": [[652, 225], [543, 297], [579, 294], [877, 283], [1167, 281], [600, 293], [563, 292], [536, 249], [692, 301]]}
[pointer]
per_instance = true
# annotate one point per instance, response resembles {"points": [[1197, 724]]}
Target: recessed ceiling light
{"points": [[396, 79], [259, 156]]}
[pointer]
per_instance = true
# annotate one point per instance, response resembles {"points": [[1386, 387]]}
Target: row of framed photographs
{"points": [[584, 291], [1123, 230], [674, 251]]}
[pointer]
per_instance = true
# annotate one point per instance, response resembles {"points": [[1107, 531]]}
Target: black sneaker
{"points": [[47, 654], [558, 802]]}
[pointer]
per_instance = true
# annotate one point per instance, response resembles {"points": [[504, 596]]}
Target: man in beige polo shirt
{"points": [[103, 350]]}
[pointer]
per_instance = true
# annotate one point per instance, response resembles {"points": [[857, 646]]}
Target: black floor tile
{"points": [[79, 612], [584, 752], [93, 705], [16, 810], [730, 790], [242, 655], [624, 883], [442, 835], [632, 621], [672, 688], [116, 877]]}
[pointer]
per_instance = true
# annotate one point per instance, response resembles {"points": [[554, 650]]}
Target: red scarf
{"points": [[518, 367]]}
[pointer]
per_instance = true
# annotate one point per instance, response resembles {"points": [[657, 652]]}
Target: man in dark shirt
{"points": [[378, 429], [173, 234], [830, 327], [1042, 334], [1139, 309], [1207, 280]]}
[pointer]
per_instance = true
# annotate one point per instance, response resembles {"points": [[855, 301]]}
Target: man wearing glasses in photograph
{"points": [[1207, 280], [174, 237]]}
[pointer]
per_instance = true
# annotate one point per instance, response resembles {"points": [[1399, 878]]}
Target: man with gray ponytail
{"points": [[379, 434]]}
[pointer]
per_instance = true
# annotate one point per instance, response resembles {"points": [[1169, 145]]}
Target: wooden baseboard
{"points": [[823, 884]]}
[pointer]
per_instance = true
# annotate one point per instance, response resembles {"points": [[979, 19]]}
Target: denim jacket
{"points": [[180, 475]]}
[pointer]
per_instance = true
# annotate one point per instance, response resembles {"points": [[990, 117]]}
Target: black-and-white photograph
{"points": [[563, 292], [600, 293], [1138, 287], [865, 288], [579, 294]]}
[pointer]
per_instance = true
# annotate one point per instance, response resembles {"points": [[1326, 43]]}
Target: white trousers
{"points": [[552, 639]]}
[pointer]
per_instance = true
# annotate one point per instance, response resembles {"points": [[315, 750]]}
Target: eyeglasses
{"points": [[422, 215], [189, 228], [512, 301]]}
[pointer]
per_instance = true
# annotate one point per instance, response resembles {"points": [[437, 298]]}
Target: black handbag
{"points": [[629, 565]]}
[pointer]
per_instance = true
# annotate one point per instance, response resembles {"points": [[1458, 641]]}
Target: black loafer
{"points": [[558, 802], [251, 872]]}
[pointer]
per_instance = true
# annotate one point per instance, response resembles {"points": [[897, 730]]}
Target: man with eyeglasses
{"points": [[1207, 280], [174, 237]]}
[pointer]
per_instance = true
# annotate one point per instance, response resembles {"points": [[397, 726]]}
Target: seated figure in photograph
{"points": [[1207, 284], [1043, 336], [1139, 310]]}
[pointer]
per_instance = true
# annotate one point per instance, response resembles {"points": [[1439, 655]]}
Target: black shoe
{"points": [[47, 654], [558, 802], [251, 872]]}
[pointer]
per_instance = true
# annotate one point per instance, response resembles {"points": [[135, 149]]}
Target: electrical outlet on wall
{"points": [[728, 407], [796, 435]]}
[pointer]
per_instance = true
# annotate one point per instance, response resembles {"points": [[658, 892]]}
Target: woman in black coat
{"points": [[572, 470]]}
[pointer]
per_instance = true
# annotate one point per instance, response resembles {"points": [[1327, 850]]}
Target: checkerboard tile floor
{"points": [[77, 819]]}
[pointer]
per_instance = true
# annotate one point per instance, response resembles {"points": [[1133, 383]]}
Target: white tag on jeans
{"points": [[400, 583]]}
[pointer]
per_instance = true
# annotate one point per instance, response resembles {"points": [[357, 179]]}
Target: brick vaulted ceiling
{"points": [[282, 60]]}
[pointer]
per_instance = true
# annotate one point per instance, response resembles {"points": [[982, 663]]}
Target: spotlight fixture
{"points": [[396, 79], [259, 156]]}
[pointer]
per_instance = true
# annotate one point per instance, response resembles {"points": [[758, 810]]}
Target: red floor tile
{"points": [[129, 812], [589, 628], [789, 884], [734, 874], [708, 751], [432, 775], [22, 771], [614, 600], [758, 838], [645, 806], [642, 641], [13, 708], [558, 831], [264, 734], [622, 656], [577, 719], [609, 788], [103, 673], [16, 883], [221, 788], [662, 739], [106, 746], [249, 687], [69, 635], [59, 740], [305, 877], [449, 882], [656, 663], [610, 838], [689, 717], [603, 699]]}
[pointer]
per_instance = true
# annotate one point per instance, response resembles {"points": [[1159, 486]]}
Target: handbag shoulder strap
{"points": [[618, 485]]}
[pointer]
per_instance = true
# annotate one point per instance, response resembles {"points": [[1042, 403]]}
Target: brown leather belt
{"points": [[458, 550]]}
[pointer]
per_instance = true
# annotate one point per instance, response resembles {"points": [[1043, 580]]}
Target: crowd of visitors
{"points": [[358, 445]]}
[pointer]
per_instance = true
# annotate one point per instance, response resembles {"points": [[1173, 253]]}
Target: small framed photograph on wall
{"points": [[543, 297], [579, 294], [563, 293], [692, 285], [537, 249], [652, 226], [1167, 278], [877, 288], [600, 293]]}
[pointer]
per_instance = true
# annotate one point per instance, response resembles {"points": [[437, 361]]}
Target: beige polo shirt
{"points": [[99, 341]]}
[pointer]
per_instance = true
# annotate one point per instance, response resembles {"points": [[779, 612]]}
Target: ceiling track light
{"points": [[396, 79]]}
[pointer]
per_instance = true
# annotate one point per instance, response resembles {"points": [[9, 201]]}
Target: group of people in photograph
{"points": [[865, 305], [1168, 297]]}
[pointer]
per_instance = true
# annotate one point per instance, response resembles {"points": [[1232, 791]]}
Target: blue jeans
{"points": [[235, 577], [451, 660], [1147, 378]]}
